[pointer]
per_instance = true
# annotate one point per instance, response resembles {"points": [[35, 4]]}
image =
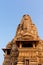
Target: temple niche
{"points": [[26, 48]]}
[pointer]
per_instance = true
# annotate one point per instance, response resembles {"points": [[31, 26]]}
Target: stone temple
{"points": [[26, 48]]}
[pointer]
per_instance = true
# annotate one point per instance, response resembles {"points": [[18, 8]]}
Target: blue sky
{"points": [[11, 12]]}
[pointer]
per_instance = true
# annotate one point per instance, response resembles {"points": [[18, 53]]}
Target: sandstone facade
{"points": [[26, 48]]}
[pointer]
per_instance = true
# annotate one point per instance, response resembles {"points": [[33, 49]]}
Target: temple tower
{"points": [[26, 48]]}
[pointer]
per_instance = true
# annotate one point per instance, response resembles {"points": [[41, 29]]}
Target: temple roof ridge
{"points": [[26, 28]]}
